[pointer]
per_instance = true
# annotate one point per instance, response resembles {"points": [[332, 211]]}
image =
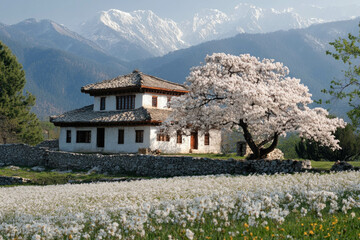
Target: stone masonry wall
{"points": [[142, 165]]}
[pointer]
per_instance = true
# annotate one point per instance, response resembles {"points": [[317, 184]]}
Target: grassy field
{"points": [[330, 226], [327, 165], [292, 206], [323, 165], [49, 177]]}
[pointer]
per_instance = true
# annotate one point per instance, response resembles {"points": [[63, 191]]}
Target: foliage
{"points": [[348, 50], [287, 146], [50, 131], [256, 97], [348, 141], [17, 123], [295, 206]]}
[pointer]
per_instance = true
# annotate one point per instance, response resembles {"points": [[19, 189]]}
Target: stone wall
{"points": [[142, 165], [12, 180], [51, 144]]}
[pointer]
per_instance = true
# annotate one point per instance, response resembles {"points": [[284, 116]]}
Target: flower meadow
{"points": [[297, 206]]}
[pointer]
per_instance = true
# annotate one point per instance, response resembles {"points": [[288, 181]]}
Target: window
{"points": [[102, 103], [68, 136], [121, 136], [168, 101], [125, 102], [154, 101], [139, 136], [207, 139], [83, 136], [178, 137], [162, 137]]}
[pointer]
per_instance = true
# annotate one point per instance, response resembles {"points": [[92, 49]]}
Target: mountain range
{"points": [[142, 34], [58, 61]]}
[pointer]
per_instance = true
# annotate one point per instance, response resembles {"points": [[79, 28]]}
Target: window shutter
{"points": [[207, 139], [154, 101], [68, 136], [102, 103], [121, 136], [178, 137]]}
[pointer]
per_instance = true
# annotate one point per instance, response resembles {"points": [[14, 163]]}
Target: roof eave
{"points": [[113, 124]]}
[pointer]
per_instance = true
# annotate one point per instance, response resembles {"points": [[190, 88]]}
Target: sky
{"points": [[71, 13]]}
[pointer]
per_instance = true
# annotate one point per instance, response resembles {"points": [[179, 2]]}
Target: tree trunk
{"points": [[257, 152]]}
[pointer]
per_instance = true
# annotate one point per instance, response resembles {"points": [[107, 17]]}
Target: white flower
{"points": [[189, 234]]}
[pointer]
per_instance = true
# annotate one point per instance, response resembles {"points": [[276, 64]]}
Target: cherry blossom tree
{"points": [[257, 97]]}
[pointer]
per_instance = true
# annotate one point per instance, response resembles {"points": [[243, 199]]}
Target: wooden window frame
{"points": [[139, 136], [160, 137], [125, 102], [68, 136], [102, 103], [121, 136], [154, 101], [178, 137], [83, 136], [207, 139]]}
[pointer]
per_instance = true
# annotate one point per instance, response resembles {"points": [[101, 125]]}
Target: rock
{"points": [[13, 180], [342, 166], [14, 168], [305, 164], [276, 154], [38, 169], [94, 170]]}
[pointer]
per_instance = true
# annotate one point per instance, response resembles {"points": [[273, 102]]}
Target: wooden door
{"points": [[100, 143], [194, 140]]}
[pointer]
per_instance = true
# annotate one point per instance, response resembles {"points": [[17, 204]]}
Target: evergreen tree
{"points": [[350, 149], [17, 123]]}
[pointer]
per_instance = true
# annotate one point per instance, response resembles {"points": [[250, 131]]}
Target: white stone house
{"points": [[124, 118]]}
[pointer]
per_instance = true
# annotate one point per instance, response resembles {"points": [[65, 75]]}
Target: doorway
{"points": [[194, 140], [100, 143]]}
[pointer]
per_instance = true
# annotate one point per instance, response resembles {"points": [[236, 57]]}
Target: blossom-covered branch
{"points": [[254, 95]]}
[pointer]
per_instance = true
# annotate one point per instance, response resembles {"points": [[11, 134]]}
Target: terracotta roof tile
{"points": [[87, 115], [134, 79]]}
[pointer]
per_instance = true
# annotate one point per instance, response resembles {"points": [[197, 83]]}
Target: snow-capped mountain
{"points": [[142, 34], [252, 19], [206, 25], [119, 32], [212, 24]]}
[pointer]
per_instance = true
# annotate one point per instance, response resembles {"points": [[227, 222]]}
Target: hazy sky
{"points": [[73, 12]]}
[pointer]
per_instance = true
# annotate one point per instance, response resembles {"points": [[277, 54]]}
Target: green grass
{"points": [[325, 165], [50, 178], [332, 226], [321, 165]]}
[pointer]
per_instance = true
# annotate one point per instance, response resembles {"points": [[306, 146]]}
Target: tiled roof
{"points": [[86, 115], [134, 79]]}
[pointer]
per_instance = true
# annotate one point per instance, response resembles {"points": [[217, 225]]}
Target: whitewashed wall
{"points": [[110, 102], [184, 147], [161, 100], [141, 100], [111, 140], [129, 146]]}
